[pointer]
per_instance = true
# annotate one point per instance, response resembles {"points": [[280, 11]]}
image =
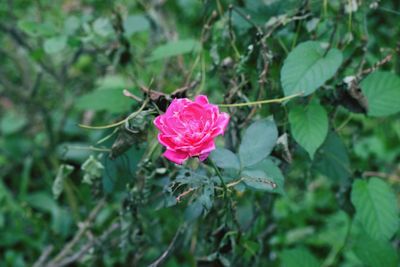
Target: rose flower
{"points": [[188, 128]]}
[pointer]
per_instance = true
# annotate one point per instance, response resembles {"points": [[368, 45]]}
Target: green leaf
{"points": [[332, 159], [309, 126], [260, 176], [61, 219], [257, 142], [382, 90], [376, 208], [36, 29], [12, 122], [375, 253], [135, 23], [63, 172], [55, 44], [225, 159], [298, 257], [258, 179], [175, 48], [194, 211], [307, 67], [93, 170], [107, 96], [111, 99], [103, 27], [71, 25], [43, 202]]}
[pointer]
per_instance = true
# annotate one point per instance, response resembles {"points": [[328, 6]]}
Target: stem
{"points": [[92, 148], [268, 101], [131, 116], [219, 176]]}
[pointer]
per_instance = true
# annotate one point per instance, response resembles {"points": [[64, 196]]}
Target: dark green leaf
{"points": [[269, 172], [258, 179], [257, 142], [332, 159], [225, 159]]}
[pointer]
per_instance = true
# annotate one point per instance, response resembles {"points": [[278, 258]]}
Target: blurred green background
{"points": [[64, 63]]}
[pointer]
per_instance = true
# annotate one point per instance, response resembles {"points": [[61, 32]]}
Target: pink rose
{"points": [[188, 128]]}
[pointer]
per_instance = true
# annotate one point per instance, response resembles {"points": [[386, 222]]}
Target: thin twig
{"points": [[131, 116], [169, 249], [181, 195], [42, 259]]}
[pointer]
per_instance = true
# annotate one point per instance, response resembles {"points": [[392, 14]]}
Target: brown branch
{"points": [[82, 229], [85, 248]]}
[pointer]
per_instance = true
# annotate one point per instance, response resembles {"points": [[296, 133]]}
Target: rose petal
{"points": [[166, 141], [176, 156], [205, 147], [223, 120], [201, 99], [158, 122], [202, 157]]}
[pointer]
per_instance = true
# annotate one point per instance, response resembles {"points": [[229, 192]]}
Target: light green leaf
{"points": [[375, 253], [175, 48], [382, 90], [103, 27], [225, 159], [332, 159], [307, 67], [111, 99], [376, 208], [107, 96], [71, 25], [260, 176], [93, 170], [298, 257], [309, 126], [63, 172], [55, 44], [135, 23], [36, 29], [257, 142]]}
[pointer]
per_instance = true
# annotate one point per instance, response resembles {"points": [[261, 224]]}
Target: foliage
{"points": [[307, 173]]}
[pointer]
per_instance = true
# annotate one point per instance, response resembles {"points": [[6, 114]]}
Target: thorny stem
{"points": [[219, 176]]}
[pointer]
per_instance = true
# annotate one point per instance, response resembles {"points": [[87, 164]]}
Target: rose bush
{"points": [[188, 128]]}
